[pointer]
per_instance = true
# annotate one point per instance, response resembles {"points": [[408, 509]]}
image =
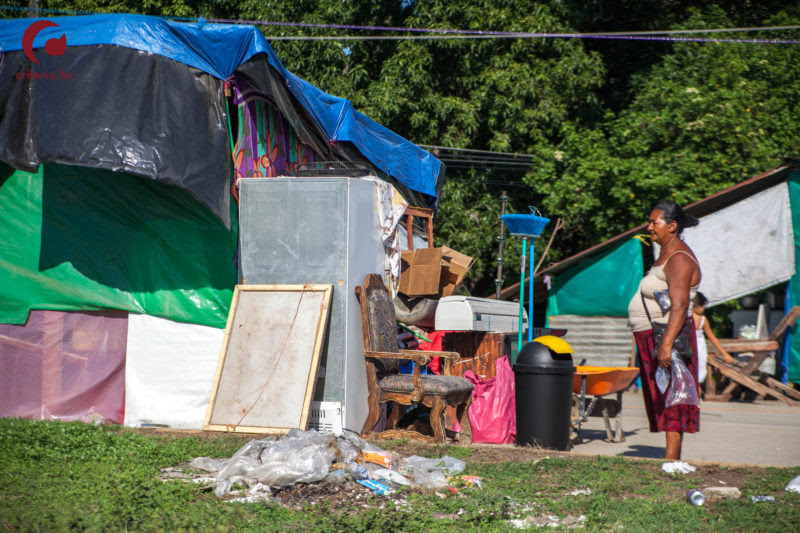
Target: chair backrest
{"points": [[379, 323], [377, 316]]}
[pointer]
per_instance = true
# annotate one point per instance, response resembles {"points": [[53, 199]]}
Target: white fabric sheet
{"points": [[745, 247], [169, 371], [391, 207]]}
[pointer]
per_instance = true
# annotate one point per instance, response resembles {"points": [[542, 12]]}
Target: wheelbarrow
{"points": [[590, 386]]}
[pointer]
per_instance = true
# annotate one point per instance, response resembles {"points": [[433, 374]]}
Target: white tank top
{"points": [[654, 280]]}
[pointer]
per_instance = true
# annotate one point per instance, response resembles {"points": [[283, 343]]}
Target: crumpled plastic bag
{"points": [[389, 475], [432, 473], [683, 389], [662, 379], [794, 485], [208, 464], [492, 413], [299, 456], [449, 465], [677, 467], [351, 445], [429, 480]]}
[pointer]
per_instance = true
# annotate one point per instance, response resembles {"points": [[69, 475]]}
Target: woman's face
{"points": [[660, 231]]}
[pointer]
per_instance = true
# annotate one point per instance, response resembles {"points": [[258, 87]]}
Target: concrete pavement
{"points": [[759, 433]]}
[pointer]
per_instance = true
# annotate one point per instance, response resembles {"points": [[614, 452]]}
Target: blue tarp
{"points": [[219, 49]]}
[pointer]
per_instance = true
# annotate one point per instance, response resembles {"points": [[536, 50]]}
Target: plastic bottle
{"points": [[358, 471], [696, 497]]}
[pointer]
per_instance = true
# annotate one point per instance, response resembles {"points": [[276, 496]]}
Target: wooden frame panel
{"points": [[269, 359]]}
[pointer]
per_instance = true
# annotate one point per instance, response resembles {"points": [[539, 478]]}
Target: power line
{"points": [[473, 150], [621, 37], [472, 158], [484, 162], [487, 32], [443, 34]]}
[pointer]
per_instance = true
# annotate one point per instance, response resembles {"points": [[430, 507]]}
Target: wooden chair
{"points": [[385, 383]]}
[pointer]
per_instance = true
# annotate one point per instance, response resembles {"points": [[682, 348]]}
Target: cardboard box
{"points": [[432, 272], [455, 266], [421, 270]]}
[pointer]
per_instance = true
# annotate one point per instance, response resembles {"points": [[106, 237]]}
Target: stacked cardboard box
{"points": [[433, 272]]}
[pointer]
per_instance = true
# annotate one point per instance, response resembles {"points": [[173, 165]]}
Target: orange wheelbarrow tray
{"points": [[596, 382]]}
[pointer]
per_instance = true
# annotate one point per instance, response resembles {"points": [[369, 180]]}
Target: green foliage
{"points": [[709, 115]]}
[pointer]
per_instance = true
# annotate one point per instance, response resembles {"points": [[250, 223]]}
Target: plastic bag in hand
{"points": [[662, 379], [683, 390]]}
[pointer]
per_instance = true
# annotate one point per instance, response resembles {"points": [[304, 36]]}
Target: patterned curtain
{"points": [[266, 145]]}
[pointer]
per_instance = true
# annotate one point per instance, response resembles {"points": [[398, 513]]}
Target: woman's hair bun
{"points": [[671, 211], [690, 220]]}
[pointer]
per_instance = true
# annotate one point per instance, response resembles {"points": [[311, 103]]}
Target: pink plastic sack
{"points": [[492, 413]]}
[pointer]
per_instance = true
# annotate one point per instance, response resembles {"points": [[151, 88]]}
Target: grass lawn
{"points": [[73, 476]]}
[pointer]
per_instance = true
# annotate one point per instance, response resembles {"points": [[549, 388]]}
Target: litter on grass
{"points": [[677, 467], [267, 466], [548, 520], [794, 485]]}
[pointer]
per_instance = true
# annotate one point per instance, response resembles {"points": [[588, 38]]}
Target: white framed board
{"points": [[269, 359]]}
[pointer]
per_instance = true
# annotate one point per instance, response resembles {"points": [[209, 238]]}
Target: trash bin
{"points": [[543, 376]]}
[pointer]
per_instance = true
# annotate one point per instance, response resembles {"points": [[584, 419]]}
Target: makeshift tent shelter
{"points": [[115, 198], [748, 239]]}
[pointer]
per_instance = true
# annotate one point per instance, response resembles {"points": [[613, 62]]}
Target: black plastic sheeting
{"points": [[119, 109]]}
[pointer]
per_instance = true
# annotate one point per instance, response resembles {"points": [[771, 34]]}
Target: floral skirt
{"points": [[681, 418]]}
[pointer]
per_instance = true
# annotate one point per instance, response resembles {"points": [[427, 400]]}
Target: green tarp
{"points": [[602, 285], [794, 297], [75, 238]]}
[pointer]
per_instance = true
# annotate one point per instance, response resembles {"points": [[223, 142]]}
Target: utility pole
{"points": [[498, 282]]}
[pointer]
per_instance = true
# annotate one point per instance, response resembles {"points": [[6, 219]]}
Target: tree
{"points": [[707, 116]]}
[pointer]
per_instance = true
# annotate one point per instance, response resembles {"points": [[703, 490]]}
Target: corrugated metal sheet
{"points": [[601, 340]]}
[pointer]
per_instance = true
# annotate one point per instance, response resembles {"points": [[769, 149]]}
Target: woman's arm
{"points": [[679, 271], [715, 341]]}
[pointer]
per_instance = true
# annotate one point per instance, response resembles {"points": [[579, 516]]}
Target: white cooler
{"points": [[468, 313]]}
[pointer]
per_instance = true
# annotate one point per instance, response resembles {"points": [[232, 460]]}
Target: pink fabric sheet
{"points": [[64, 366]]}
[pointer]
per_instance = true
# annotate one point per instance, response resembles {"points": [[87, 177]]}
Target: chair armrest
{"points": [[450, 356], [419, 357]]}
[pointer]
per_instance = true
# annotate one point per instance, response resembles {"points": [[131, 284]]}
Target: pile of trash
{"points": [[309, 457]]}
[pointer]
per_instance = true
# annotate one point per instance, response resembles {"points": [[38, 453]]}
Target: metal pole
{"points": [[530, 297], [498, 282], [521, 293]]}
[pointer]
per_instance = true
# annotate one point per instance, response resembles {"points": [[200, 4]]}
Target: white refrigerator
{"points": [[318, 230]]}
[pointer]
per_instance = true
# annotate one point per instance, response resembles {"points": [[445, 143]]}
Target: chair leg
{"points": [[462, 413], [372, 417], [395, 416], [437, 419]]}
